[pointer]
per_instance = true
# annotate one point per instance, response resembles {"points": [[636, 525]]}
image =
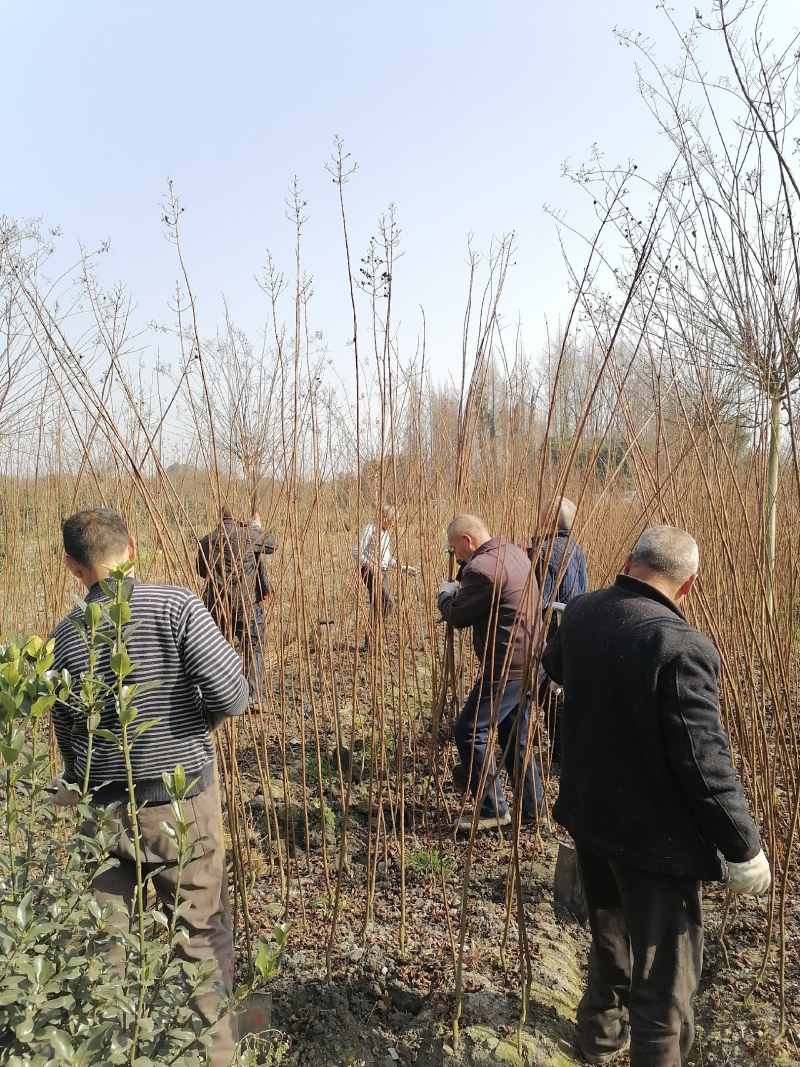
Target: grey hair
{"points": [[461, 525], [667, 551], [566, 514]]}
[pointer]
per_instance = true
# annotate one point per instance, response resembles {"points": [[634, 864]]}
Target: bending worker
{"points": [[498, 598]]}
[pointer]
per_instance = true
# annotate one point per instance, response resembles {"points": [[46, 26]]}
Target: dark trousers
{"points": [[249, 632], [644, 962], [380, 599], [509, 708]]}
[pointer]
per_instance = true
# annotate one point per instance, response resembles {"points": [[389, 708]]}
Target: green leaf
{"points": [[142, 727], [120, 613], [33, 646], [9, 703], [107, 735], [179, 777], [170, 831], [9, 754], [120, 663], [127, 713], [61, 1045], [43, 970]]}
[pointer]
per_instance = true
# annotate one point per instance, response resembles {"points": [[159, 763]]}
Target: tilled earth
{"points": [[369, 974]]}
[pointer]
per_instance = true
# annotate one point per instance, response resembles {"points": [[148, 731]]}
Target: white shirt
{"points": [[369, 551]]}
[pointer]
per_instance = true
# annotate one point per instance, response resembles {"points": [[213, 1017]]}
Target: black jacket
{"points": [[499, 599], [229, 559], [646, 773]]}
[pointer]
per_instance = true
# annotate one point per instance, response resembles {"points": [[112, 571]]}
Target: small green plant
{"points": [[328, 817], [428, 861]]}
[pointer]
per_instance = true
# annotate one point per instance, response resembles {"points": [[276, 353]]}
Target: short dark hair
{"points": [[94, 535]]}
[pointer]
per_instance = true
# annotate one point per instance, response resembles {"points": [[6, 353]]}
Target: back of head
{"points": [[469, 526], [666, 552], [94, 536], [566, 514], [556, 515]]}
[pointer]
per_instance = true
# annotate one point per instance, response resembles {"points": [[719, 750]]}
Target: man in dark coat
{"points": [[649, 795], [497, 596], [230, 560]]}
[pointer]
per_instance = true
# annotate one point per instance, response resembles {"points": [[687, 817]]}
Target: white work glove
{"points": [[448, 588], [752, 878], [410, 570], [61, 794]]}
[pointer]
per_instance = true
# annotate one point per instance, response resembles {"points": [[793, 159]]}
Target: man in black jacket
{"points": [[650, 797], [230, 560], [498, 598]]}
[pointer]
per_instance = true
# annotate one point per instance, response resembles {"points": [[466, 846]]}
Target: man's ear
{"points": [[626, 566], [131, 549], [73, 566], [686, 588]]}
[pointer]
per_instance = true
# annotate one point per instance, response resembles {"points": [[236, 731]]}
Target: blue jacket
{"points": [[560, 572]]}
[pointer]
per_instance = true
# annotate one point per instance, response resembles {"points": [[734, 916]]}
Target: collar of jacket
{"points": [[636, 585], [96, 591], [487, 546]]}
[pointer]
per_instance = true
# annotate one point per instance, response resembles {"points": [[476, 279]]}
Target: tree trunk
{"points": [[772, 502]]}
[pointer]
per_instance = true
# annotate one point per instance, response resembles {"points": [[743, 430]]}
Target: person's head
{"points": [[388, 517], [466, 534], [667, 558], [557, 514], [95, 540]]}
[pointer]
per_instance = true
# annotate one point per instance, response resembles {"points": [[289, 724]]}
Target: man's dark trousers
{"points": [[644, 963], [504, 705]]}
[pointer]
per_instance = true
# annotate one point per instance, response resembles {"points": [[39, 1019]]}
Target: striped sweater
{"points": [[176, 643]]}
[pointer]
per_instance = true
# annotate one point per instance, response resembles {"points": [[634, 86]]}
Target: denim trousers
{"points": [[507, 707]]}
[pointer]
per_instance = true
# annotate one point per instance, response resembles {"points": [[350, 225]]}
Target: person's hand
{"points": [[448, 588], [214, 721], [752, 878], [411, 570], [61, 794]]}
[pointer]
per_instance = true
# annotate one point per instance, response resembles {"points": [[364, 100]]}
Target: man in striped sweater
{"points": [[176, 643]]}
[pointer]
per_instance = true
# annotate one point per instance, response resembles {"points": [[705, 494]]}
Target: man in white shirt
{"points": [[373, 553]]}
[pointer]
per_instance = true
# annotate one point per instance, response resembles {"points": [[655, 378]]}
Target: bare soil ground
{"points": [[383, 1002]]}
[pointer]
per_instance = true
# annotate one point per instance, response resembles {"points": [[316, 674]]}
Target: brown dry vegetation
{"points": [[668, 397]]}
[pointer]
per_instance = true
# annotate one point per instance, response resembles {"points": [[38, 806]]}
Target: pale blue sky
{"points": [[459, 113]]}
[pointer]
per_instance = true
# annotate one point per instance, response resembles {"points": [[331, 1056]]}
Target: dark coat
{"points": [[646, 773], [229, 559], [498, 598]]}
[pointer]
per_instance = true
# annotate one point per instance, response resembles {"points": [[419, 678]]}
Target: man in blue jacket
{"points": [[650, 797], [561, 572]]}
